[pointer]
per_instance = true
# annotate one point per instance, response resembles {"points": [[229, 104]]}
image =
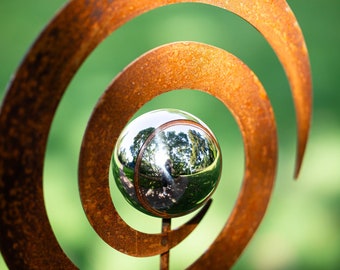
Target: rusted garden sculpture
{"points": [[26, 238]]}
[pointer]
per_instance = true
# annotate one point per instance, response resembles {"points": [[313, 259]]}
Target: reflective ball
{"points": [[166, 163]]}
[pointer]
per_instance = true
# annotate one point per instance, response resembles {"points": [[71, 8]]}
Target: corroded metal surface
{"points": [[195, 66], [26, 238]]}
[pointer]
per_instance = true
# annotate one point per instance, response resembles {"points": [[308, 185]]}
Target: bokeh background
{"points": [[301, 229]]}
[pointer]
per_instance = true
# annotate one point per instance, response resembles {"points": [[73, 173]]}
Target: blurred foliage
{"points": [[301, 227]]}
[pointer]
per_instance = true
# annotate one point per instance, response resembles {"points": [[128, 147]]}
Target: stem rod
{"points": [[166, 227]]}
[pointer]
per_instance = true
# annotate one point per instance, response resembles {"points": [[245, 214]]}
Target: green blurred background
{"points": [[301, 229]]}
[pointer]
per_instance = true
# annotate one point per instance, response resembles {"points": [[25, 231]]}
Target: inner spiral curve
{"points": [[162, 70]]}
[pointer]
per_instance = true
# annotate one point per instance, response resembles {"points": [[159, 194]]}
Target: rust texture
{"points": [[26, 238], [195, 66]]}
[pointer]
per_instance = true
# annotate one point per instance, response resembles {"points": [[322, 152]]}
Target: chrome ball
{"points": [[167, 163]]}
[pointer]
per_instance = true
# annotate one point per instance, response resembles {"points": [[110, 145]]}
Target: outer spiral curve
{"points": [[27, 241]]}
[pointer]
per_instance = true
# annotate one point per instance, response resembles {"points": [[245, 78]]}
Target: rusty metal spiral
{"points": [[26, 238]]}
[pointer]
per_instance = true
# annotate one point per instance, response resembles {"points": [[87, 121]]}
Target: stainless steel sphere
{"points": [[166, 163]]}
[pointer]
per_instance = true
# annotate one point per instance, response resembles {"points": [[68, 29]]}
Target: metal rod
{"points": [[166, 227]]}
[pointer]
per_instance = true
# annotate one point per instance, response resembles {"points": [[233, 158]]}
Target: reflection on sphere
{"points": [[180, 162]]}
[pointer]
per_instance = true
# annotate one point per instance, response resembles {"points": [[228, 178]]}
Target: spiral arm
{"points": [[26, 238]]}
